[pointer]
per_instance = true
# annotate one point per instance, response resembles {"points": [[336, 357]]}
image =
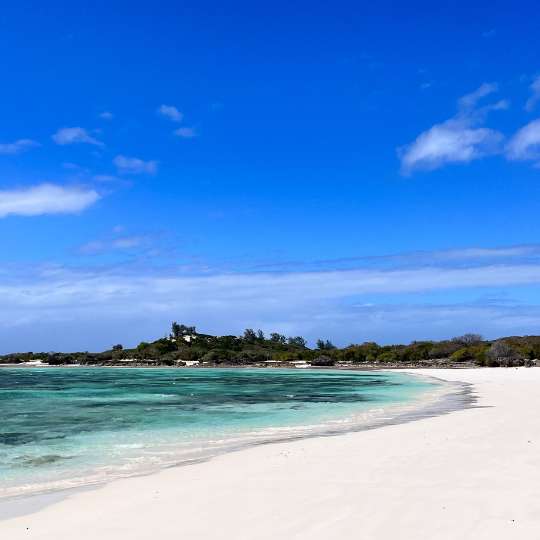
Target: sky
{"points": [[350, 171]]}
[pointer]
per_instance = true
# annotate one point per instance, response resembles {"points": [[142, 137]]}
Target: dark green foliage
{"points": [[297, 341], [184, 345], [180, 330], [462, 355], [325, 345], [249, 335], [278, 338]]}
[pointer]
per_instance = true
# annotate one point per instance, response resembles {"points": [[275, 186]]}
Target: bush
{"points": [[215, 357], [389, 356], [323, 361], [462, 355]]}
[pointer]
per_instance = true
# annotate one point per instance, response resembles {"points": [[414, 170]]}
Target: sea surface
{"points": [[65, 427]]}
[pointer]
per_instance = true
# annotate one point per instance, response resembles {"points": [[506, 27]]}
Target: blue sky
{"points": [[345, 171]]}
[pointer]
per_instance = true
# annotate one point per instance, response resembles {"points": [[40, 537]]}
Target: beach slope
{"points": [[470, 474]]}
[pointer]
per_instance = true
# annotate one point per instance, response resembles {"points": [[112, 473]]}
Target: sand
{"points": [[470, 474]]}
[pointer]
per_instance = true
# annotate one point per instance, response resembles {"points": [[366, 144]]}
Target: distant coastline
{"points": [[185, 347]]}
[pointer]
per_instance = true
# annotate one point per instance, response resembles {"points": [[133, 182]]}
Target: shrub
{"points": [[323, 361]]}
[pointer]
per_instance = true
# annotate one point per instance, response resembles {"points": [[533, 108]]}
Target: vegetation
{"points": [[185, 346]]}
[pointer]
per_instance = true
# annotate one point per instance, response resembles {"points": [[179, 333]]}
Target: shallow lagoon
{"points": [[63, 427]]}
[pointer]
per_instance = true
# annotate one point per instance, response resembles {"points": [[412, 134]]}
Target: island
{"points": [[184, 346]]}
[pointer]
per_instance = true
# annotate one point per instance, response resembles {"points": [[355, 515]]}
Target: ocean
{"points": [[66, 427]]}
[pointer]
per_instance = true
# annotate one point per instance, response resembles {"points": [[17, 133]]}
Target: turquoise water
{"points": [[61, 427]]}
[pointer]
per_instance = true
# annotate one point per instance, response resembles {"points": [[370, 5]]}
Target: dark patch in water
{"points": [[42, 460], [16, 438]]}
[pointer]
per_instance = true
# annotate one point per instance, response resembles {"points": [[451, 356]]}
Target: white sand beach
{"points": [[470, 474]]}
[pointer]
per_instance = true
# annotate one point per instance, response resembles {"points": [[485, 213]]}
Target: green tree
{"points": [[297, 341], [179, 330], [249, 335], [278, 338], [325, 345]]}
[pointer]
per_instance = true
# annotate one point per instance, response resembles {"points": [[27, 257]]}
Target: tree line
{"points": [[183, 344]]}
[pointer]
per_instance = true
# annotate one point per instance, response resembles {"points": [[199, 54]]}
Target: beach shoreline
{"points": [[372, 483], [440, 397]]}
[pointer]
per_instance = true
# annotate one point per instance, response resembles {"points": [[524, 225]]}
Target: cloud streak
{"points": [[170, 112], [469, 256], [45, 199], [185, 132], [133, 165], [123, 243], [17, 147], [525, 144], [535, 95], [325, 303], [74, 135]]}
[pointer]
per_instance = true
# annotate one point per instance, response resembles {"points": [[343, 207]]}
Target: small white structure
{"points": [[188, 338], [300, 364], [36, 363]]}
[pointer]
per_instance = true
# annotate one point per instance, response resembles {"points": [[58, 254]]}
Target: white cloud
{"points": [[272, 288], [170, 112], [45, 199], [453, 141], [326, 303], [469, 101], [106, 115], [73, 135], [134, 165], [18, 146], [457, 140], [487, 253], [535, 95], [525, 144], [185, 132]]}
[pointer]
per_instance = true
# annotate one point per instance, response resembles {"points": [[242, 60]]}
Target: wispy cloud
{"points": [[105, 178], [457, 140], [468, 256], [45, 199], [133, 165], [487, 253], [535, 95], [469, 101], [17, 147], [326, 303], [170, 112], [123, 243], [525, 144], [449, 142], [74, 135], [106, 115], [186, 132]]}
